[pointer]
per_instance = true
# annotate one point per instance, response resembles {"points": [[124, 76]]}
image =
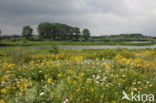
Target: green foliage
{"points": [[27, 32], [0, 34], [54, 50], [19, 55], [86, 34], [73, 77], [58, 31]]}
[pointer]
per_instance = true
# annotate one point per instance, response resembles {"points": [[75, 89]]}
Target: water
{"points": [[85, 47], [107, 47]]}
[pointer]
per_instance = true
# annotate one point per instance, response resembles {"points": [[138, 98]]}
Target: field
{"points": [[48, 42], [75, 76]]}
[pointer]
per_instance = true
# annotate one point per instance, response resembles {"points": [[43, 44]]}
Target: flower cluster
{"points": [[99, 76]]}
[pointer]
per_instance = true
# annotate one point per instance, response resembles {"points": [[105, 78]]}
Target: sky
{"points": [[101, 17]]}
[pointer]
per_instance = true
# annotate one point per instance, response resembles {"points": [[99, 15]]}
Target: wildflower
{"points": [[93, 76], [50, 81], [89, 80], [42, 93], [45, 86], [40, 71], [98, 77], [77, 58], [81, 74], [4, 90], [2, 101], [134, 83], [66, 100], [92, 89], [60, 75], [87, 100]]}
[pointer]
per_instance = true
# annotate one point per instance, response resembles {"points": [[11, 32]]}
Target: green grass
{"points": [[75, 76], [43, 43]]}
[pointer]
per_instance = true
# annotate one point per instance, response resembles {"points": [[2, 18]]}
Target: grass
{"points": [[43, 43], [75, 76]]}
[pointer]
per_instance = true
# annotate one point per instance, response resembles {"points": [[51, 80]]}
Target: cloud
{"points": [[100, 16]]}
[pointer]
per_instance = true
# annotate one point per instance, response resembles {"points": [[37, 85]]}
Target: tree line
{"points": [[59, 31], [56, 31]]}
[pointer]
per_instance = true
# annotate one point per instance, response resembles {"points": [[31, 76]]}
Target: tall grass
{"points": [[19, 55]]}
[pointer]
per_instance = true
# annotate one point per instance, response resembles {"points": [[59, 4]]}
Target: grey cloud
{"points": [[100, 16]]}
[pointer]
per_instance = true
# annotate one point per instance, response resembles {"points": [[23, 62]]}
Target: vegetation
{"points": [[63, 34], [75, 76], [0, 34], [58, 31], [86, 34], [124, 37], [15, 42], [27, 32], [0, 31]]}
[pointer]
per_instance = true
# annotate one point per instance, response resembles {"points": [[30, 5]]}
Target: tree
{"points": [[0, 34], [46, 30], [86, 34], [58, 31], [76, 33], [27, 32]]}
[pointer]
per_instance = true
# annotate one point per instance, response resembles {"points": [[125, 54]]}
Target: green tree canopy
{"points": [[58, 31], [27, 32], [0, 34], [86, 34]]}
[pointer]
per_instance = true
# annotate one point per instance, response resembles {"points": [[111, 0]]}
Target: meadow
{"points": [[75, 76], [69, 42]]}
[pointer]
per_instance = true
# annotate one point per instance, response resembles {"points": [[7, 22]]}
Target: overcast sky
{"points": [[101, 17]]}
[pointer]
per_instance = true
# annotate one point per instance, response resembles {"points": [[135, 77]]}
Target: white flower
{"points": [[134, 83], [66, 100], [93, 76], [43, 93], [16, 79], [98, 77], [45, 86]]}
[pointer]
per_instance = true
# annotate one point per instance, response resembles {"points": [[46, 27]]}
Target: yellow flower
{"points": [[50, 81], [77, 58], [92, 89], [87, 100], [89, 81], [4, 90], [2, 101], [60, 75], [81, 74]]}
